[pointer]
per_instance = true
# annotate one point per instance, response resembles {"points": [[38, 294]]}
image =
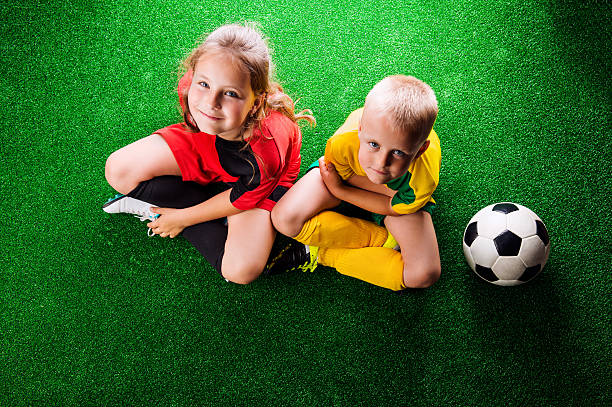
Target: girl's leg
{"points": [[172, 192], [169, 191], [249, 241], [140, 161]]}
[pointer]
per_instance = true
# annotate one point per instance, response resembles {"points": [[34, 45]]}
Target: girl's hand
{"points": [[170, 223], [330, 176]]}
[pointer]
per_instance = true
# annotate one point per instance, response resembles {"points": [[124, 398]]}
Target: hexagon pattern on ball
{"points": [[506, 244]]}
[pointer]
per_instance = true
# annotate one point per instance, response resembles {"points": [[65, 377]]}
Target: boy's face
{"points": [[385, 153]]}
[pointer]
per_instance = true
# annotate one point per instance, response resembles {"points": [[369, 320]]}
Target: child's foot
{"points": [[295, 256], [124, 204]]}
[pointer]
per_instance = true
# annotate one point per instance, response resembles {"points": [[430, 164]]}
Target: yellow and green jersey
{"points": [[414, 189]]}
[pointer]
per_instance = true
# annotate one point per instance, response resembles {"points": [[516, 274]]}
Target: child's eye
{"points": [[203, 84], [399, 153], [373, 144], [231, 93]]}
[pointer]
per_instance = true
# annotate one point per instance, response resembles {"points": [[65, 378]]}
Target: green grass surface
{"points": [[92, 312]]}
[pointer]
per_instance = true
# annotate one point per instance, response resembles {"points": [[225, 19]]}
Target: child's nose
{"points": [[212, 100], [383, 160]]}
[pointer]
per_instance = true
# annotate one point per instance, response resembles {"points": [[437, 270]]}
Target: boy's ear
{"points": [[423, 148]]}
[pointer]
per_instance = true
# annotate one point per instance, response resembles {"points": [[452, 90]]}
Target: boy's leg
{"points": [[301, 214], [380, 266], [419, 248], [305, 199], [142, 160], [333, 230], [249, 241]]}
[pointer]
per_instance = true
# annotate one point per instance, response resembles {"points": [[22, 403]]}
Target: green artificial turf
{"points": [[93, 312]]}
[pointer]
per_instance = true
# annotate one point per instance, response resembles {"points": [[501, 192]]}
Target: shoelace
{"points": [[142, 217]]}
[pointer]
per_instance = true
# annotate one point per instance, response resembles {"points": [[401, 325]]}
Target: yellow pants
{"points": [[354, 247]]}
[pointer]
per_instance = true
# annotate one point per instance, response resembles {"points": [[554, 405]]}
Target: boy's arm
{"points": [[361, 181], [173, 221], [365, 199]]}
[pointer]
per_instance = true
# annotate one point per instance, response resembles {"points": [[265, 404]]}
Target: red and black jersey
{"points": [[258, 173]]}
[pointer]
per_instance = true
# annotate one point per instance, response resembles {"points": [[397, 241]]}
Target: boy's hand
{"points": [[170, 223], [330, 176]]}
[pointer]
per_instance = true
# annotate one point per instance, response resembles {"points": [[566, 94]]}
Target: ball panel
{"points": [[471, 233], [508, 268], [530, 212], [521, 224], [468, 256], [491, 225], [485, 273], [507, 283], [542, 232], [481, 213], [508, 244], [533, 252], [505, 207], [484, 252], [530, 272]]}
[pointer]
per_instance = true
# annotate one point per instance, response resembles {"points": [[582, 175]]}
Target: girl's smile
{"points": [[220, 96]]}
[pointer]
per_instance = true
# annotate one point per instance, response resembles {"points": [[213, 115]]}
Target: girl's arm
{"points": [[370, 201], [172, 221]]}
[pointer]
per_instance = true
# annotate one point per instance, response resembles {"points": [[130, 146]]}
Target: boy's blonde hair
{"points": [[247, 44], [410, 103]]}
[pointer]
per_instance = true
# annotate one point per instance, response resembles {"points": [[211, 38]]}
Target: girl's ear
{"points": [[258, 103]]}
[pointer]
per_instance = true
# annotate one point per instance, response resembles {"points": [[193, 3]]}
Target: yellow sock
{"points": [[331, 229], [376, 265], [391, 243]]}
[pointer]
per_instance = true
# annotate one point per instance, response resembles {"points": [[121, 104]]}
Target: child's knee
{"points": [[286, 220], [240, 272], [421, 276], [116, 172], [122, 174]]}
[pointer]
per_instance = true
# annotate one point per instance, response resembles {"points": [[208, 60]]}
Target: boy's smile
{"points": [[385, 153]]}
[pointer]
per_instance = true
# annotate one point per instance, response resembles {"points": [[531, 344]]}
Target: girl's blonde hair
{"points": [[248, 45]]}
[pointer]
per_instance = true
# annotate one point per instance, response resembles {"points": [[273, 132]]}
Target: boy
{"points": [[384, 159]]}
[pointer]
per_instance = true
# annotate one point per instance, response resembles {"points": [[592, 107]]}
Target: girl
{"points": [[237, 152]]}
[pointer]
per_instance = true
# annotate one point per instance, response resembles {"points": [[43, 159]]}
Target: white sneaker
{"points": [[124, 204]]}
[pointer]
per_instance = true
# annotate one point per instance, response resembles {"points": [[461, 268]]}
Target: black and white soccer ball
{"points": [[506, 244]]}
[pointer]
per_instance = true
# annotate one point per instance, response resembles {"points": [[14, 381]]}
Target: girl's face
{"points": [[220, 96]]}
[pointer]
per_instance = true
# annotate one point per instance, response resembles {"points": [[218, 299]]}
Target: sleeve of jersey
{"points": [[249, 192], [338, 151], [407, 201], [423, 180]]}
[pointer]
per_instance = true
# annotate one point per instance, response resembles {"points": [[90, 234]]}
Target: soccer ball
{"points": [[506, 244]]}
